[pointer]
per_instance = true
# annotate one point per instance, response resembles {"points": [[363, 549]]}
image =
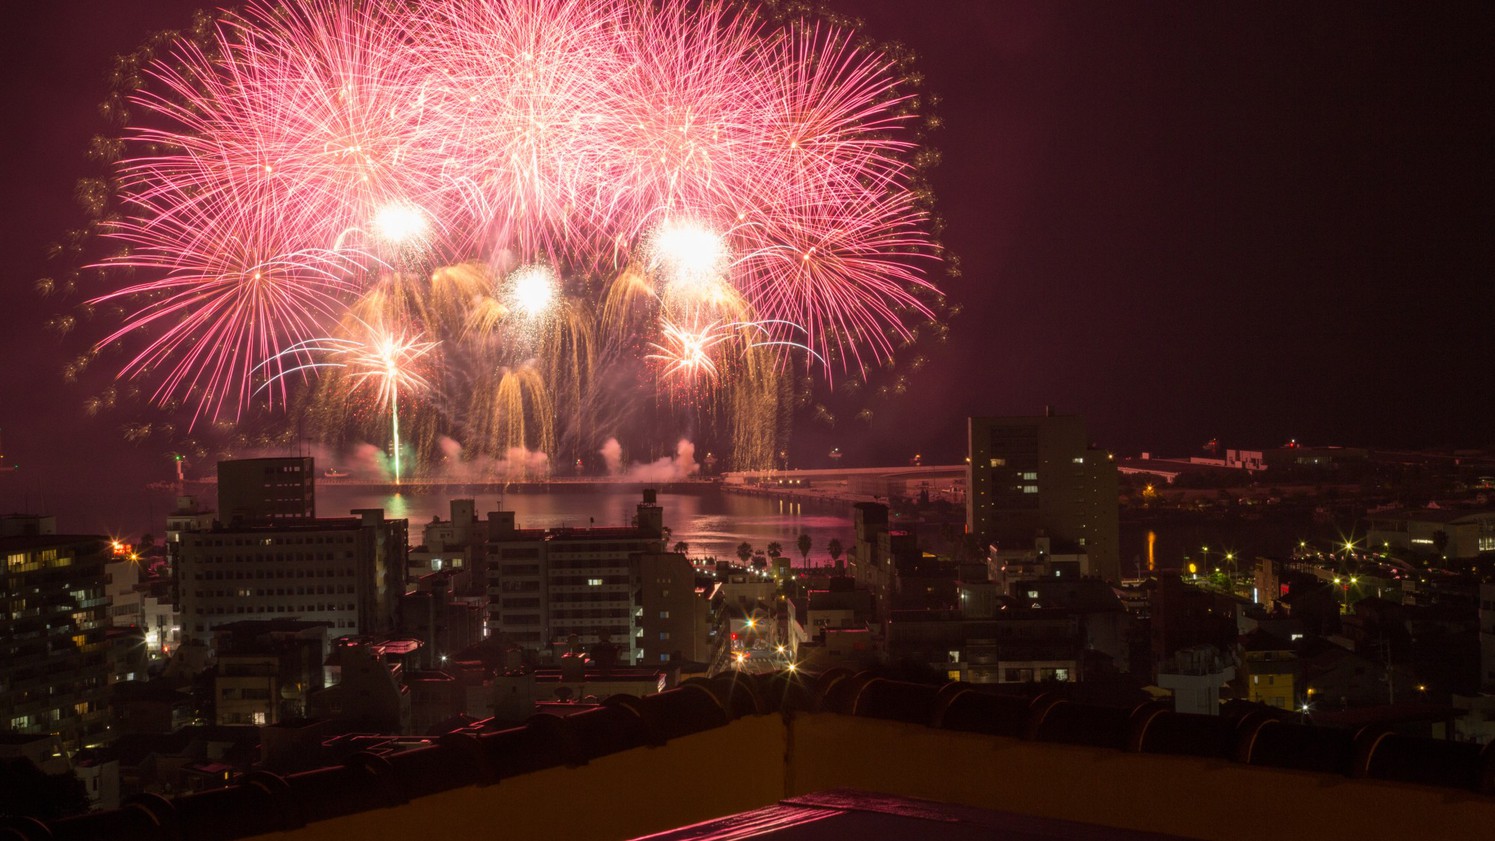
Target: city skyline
{"points": [[1168, 225]]}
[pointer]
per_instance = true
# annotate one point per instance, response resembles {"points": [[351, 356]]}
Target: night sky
{"points": [[1250, 221]]}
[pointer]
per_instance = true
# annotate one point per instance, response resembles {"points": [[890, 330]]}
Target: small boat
{"points": [[334, 473]]}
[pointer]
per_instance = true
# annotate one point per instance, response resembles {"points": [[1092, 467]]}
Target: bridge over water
{"points": [[855, 483]]}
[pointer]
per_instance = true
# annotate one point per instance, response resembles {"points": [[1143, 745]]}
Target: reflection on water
{"points": [[711, 522], [396, 506]]}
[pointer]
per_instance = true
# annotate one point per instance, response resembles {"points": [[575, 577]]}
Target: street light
{"points": [[1345, 586]]}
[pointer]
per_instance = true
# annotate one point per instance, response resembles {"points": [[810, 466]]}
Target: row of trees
{"points": [[775, 550]]}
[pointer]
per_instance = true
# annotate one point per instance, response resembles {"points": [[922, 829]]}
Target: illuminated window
{"points": [[594, 582], [1030, 477]]}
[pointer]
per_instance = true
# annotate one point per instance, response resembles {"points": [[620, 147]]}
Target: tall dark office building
{"points": [[271, 557], [267, 489], [1038, 474], [344, 571]]}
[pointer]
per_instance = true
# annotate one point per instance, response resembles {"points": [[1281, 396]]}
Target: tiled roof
{"points": [[265, 802]]}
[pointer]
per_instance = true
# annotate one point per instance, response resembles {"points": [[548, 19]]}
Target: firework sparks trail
{"points": [[756, 172], [685, 352], [383, 359]]}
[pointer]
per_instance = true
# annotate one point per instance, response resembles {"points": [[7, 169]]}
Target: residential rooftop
{"points": [[735, 743]]}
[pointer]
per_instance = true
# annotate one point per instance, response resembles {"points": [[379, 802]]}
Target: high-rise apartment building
{"points": [[546, 585], [54, 616], [1038, 475], [267, 489], [346, 571]]}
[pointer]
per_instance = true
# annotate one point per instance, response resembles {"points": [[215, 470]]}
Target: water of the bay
{"points": [[711, 522]]}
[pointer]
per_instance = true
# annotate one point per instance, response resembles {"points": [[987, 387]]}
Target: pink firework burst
{"points": [[226, 295], [523, 82], [276, 166], [314, 115], [685, 353], [388, 361]]}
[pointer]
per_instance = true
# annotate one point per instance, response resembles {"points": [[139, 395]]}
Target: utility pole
{"points": [[1390, 676]]}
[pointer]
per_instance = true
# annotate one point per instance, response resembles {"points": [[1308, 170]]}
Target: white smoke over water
{"points": [[612, 456]]}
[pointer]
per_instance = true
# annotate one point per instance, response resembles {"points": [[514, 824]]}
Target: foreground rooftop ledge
{"points": [[715, 747], [849, 813]]}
